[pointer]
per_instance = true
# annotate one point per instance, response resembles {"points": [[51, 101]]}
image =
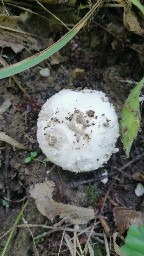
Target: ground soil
{"points": [[109, 64]]}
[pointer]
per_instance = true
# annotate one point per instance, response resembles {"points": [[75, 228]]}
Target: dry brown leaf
{"points": [[125, 217], [11, 141], [131, 22], [43, 192], [13, 34], [138, 176]]}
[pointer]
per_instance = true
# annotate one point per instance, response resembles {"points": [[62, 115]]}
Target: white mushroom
{"points": [[77, 130]]}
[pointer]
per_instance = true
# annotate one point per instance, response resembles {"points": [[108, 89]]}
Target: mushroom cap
{"points": [[77, 130]]}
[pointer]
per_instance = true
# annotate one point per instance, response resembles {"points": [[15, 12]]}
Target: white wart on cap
{"points": [[77, 130]]}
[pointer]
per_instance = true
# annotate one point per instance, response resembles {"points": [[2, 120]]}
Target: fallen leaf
{"points": [[125, 217], [11, 141], [131, 22], [138, 176], [43, 192], [13, 34]]}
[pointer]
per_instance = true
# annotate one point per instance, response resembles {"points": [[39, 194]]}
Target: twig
{"points": [[106, 244], [120, 170], [4, 137], [61, 242], [52, 14], [75, 241], [130, 162], [52, 228], [6, 171], [90, 234], [129, 46], [36, 250], [15, 201]]}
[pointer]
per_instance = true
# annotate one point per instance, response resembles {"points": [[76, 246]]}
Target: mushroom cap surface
{"points": [[77, 130]]}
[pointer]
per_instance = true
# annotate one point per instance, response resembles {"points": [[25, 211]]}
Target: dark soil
{"points": [[109, 64]]}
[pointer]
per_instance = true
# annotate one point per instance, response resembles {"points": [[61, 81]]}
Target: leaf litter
{"points": [[43, 193], [124, 217]]}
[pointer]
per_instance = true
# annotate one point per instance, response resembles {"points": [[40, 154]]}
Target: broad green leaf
{"points": [[33, 154], [130, 120], [134, 242], [27, 160], [36, 59]]}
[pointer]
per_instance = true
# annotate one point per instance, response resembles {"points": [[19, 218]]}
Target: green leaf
{"points": [[134, 242], [33, 154], [36, 59], [130, 120], [27, 160]]}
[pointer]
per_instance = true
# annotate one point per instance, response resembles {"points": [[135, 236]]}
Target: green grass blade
{"points": [[138, 5], [36, 59], [130, 120], [134, 242], [13, 229]]}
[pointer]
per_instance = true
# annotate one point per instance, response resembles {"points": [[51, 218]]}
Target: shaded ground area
{"points": [[107, 62]]}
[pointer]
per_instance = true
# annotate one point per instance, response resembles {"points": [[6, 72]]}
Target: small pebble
{"points": [[139, 190], [105, 180], [45, 72]]}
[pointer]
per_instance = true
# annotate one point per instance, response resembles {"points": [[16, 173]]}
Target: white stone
{"points": [[45, 72], [139, 190], [105, 180]]}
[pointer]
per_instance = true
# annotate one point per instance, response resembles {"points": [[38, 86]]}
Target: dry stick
{"points": [[120, 170], [15, 201], [106, 244], [36, 250], [75, 241], [6, 171], [4, 64], [78, 243], [52, 14], [70, 230], [61, 242], [86, 245], [48, 227]]}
